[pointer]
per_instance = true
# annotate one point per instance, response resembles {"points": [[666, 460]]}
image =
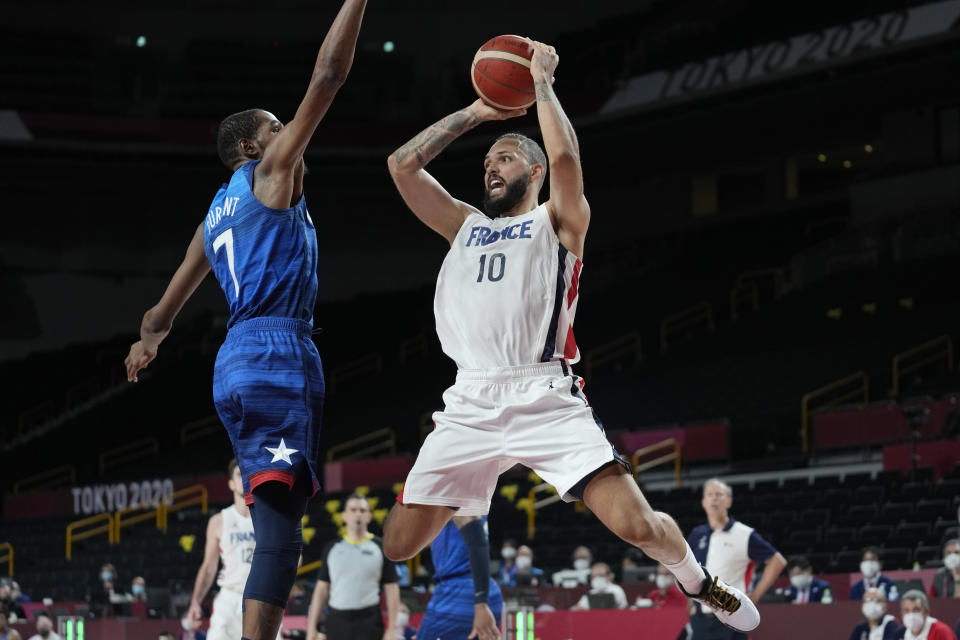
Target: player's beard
{"points": [[513, 194]]}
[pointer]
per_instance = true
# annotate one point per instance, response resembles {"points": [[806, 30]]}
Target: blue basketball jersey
{"points": [[449, 552], [265, 259]]}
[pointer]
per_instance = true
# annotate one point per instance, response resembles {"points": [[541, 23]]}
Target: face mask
{"points": [[597, 583], [913, 621], [872, 610], [581, 563], [44, 633], [186, 624], [952, 561], [524, 562], [869, 568], [402, 619], [508, 552], [106, 576], [801, 581], [138, 589], [664, 582]]}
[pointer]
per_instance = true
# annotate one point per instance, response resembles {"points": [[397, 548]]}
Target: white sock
{"points": [[688, 572]]}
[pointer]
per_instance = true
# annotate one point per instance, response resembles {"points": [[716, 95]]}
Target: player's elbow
{"points": [[330, 77]]}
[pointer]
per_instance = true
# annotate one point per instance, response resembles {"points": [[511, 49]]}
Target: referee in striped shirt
{"points": [[350, 580]]}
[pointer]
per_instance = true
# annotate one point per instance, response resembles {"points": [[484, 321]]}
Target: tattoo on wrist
{"points": [[427, 144], [544, 91]]}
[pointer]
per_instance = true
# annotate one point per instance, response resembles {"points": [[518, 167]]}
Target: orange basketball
{"points": [[501, 73]]}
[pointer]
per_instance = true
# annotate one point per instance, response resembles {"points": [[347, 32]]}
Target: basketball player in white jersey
{"points": [[230, 541], [505, 303]]}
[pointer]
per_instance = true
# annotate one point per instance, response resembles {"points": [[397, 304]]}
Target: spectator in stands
{"points": [[877, 623], [508, 568], [804, 587], [527, 574], [729, 548], [582, 559], [404, 630], [16, 594], [870, 567], [101, 596], [918, 624], [191, 629], [138, 589], [666, 594], [945, 580], [7, 633], [10, 608], [601, 581], [45, 627]]}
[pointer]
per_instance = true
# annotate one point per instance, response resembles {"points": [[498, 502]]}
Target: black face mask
{"points": [[45, 633], [512, 195]]}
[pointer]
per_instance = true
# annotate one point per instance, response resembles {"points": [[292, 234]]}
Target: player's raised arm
{"points": [[428, 200], [329, 73], [158, 320], [567, 204]]}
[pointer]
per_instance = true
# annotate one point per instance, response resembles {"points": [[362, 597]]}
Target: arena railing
{"points": [[370, 364], [615, 350], [195, 494], [50, 479], [129, 452], [7, 557], [675, 456], [747, 293], [939, 349], [200, 429], [534, 505], [106, 527], [377, 442], [310, 566], [776, 275], [855, 386], [700, 314], [157, 514]]}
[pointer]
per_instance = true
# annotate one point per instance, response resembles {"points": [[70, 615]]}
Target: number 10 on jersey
{"points": [[493, 267]]}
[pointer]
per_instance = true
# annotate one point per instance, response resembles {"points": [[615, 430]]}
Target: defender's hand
{"points": [[195, 613], [484, 624], [544, 61], [485, 112], [138, 358]]}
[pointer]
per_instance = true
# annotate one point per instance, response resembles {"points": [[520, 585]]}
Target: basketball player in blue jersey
{"points": [[267, 383], [466, 602], [505, 303]]}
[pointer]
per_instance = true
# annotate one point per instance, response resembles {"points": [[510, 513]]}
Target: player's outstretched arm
{"points": [[158, 320], [567, 205], [208, 569], [428, 200], [329, 73], [472, 529]]}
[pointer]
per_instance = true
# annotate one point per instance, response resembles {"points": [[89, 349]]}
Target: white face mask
{"points": [[581, 563], [914, 622], [952, 561], [524, 562], [872, 610], [508, 552], [664, 582], [402, 619], [869, 568], [598, 583], [801, 580], [186, 624]]}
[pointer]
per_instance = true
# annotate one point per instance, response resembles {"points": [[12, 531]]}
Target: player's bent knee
{"points": [[645, 529]]}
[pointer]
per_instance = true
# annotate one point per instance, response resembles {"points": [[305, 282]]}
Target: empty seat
{"points": [[932, 509], [857, 516], [915, 490], [896, 512], [909, 534], [868, 494], [875, 534], [897, 558], [839, 537], [928, 556], [801, 499], [814, 518], [846, 562]]}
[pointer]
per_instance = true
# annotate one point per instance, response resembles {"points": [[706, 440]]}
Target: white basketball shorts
{"points": [[226, 619], [535, 415]]}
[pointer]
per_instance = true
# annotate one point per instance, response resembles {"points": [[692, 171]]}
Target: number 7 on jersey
{"points": [[225, 239]]}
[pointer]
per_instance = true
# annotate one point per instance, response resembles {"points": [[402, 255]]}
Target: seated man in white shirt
{"points": [[601, 581], [580, 574]]}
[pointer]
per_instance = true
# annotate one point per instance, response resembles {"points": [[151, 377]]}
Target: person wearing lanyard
{"points": [[804, 587]]}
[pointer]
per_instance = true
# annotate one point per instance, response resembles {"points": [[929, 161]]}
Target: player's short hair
{"points": [[951, 541], [917, 596], [528, 147], [231, 466], [42, 614], [232, 129], [875, 550], [799, 562]]}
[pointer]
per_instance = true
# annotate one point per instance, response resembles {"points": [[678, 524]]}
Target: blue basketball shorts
{"points": [[449, 614], [268, 390]]}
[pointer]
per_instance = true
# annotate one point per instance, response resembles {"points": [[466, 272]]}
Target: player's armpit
{"points": [[430, 202]]}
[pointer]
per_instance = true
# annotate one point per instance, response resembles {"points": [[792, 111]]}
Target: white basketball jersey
{"points": [[507, 293], [236, 549]]}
